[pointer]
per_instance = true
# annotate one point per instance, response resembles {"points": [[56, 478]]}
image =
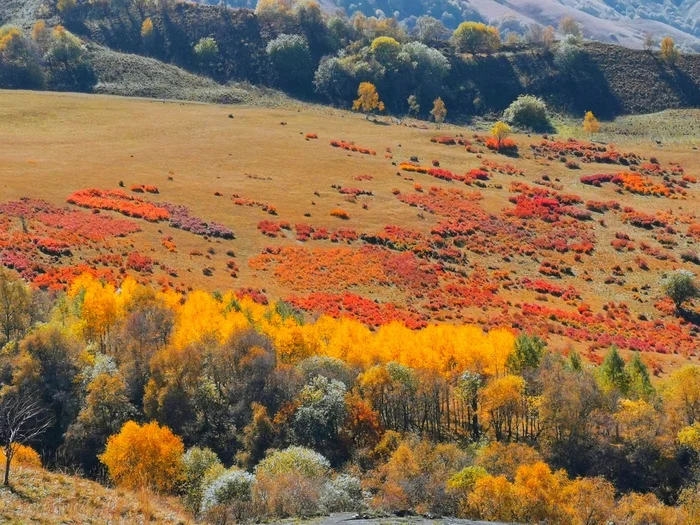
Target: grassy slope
{"points": [[132, 75], [58, 143], [41, 497]]}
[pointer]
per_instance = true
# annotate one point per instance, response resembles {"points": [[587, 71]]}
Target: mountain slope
{"points": [[623, 22]]}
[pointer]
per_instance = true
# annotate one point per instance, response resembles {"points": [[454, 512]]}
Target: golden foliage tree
{"points": [[385, 48], [501, 131], [439, 111], [475, 38], [367, 99], [147, 29], [148, 456], [590, 123], [669, 53]]}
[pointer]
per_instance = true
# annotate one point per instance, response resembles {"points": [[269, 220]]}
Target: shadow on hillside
{"points": [[690, 316], [588, 89], [682, 84]]}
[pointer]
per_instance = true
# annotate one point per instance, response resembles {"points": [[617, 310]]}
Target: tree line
{"points": [[246, 410]]}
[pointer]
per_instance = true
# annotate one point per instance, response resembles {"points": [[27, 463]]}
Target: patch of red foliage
{"points": [[240, 201], [508, 146], [144, 188], [119, 201], [346, 304], [139, 262], [350, 146]]}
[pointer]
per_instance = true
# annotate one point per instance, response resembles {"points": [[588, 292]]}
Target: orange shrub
{"points": [[144, 456], [24, 455]]}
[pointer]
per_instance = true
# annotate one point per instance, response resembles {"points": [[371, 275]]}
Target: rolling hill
{"points": [[570, 231], [621, 22]]}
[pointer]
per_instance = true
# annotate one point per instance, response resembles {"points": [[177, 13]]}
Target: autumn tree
{"points": [[475, 38], [500, 132], [439, 111], [147, 30], [69, 67], [502, 405], [20, 66], [504, 459], [368, 99], [385, 49], [430, 31], [22, 419], [567, 401], [276, 13], [258, 436], [144, 456], [569, 26], [590, 123], [40, 33], [541, 36], [669, 53], [681, 393]]}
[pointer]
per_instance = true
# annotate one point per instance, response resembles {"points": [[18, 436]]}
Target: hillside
{"points": [[42, 497], [131, 75], [273, 313], [410, 231], [622, 22], [609, 80]]}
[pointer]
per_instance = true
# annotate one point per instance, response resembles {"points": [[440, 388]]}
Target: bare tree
{"points": [[21, 420]]}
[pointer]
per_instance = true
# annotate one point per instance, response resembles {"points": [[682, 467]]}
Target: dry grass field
{"points": [[52, 145]]}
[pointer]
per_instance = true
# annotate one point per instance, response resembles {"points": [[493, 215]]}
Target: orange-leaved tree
{"points": [[367, 99], [148, 456]]}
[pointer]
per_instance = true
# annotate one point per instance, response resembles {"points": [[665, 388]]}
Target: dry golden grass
{"points": [[54, 144], [41, 497]]}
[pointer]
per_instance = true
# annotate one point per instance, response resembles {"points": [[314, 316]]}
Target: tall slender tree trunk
{"points": [[8, 460]]}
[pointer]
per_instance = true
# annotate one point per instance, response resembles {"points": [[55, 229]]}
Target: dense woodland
{"points": [[296, 47], [245, 410]]}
